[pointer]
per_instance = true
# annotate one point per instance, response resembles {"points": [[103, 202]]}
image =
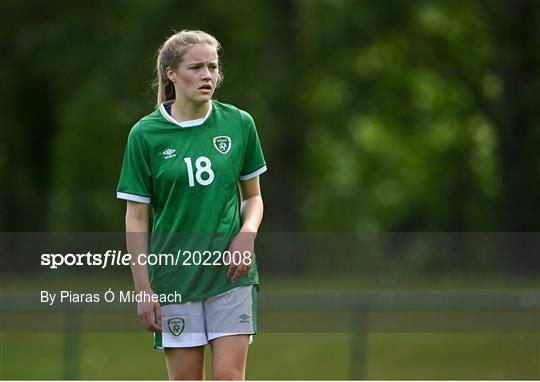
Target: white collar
{"points": [[190, 123]]}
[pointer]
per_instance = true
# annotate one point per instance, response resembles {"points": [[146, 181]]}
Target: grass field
{"points": [[377, 355], [290, 356]]}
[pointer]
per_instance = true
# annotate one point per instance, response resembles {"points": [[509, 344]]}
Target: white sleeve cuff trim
{"points": [[133, 198], [254, 173]]}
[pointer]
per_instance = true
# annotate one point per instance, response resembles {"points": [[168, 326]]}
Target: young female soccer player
{"points": [[197, 162]]}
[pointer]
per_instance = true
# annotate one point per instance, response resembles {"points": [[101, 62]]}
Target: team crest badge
{"points": [[222, 144], [176, 325]]}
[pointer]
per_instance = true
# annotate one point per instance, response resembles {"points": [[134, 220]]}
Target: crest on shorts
{"points": [[222, 144], [176, 325]]}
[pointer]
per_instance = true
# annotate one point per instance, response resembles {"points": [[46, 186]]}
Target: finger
{"points": [[150, 325], [232, 269], [141, 316], [234, 272], [153, 327], [157, 315], [145, 320], [245, 269], [238, 273]]}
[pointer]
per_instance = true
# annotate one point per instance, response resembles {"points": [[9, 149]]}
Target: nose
{"points": [[205, 74]]}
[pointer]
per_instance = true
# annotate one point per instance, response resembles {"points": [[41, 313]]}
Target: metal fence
{"points": [[511, 311]]}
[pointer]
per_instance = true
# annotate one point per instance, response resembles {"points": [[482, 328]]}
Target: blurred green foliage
{"points": [[374, 116]]}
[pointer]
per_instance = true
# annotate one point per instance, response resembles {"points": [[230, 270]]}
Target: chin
{"points": [[203, 98]]}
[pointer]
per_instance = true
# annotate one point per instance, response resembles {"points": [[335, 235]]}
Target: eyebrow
{"points": [[202, 63]]}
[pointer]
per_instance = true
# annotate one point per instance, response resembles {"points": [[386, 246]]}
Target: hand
{"points": [[242, 244], [149, 314]]}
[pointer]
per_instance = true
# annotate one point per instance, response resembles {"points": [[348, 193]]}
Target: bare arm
{"points": [[252, 212], [252, 205], [137, 221]]}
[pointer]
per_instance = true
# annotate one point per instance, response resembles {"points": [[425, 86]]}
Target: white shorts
{"points": [[195, 323]]}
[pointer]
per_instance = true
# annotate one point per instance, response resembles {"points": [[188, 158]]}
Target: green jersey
{"points": [[189, 172]]}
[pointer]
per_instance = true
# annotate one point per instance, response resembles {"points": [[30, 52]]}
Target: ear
{"points": [[170, 74]]}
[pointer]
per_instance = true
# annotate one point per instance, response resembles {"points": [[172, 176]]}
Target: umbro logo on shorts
{"points": [[169, 153], [176, 325], [244, 319]]}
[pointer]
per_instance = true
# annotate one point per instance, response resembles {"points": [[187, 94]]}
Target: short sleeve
{"points": [[135, 182], [254, 163]]}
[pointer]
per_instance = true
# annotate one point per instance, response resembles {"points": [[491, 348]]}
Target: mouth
{"points": [[206, 87]]}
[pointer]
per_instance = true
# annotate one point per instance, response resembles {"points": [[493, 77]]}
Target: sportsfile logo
{"points": [[244, 319], [169, 153]]}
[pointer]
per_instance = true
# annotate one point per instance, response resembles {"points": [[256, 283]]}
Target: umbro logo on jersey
{"points": [[169, 153], [176, 325], [222, 144], [244, 319]]}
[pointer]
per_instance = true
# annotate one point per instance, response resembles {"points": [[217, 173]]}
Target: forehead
{"points": [[201, 53]]}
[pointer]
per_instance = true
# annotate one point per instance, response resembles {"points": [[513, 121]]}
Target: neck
{"points": [[187, 111]]}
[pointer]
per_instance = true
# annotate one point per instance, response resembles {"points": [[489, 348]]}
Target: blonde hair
{"points": [[170, 55]]}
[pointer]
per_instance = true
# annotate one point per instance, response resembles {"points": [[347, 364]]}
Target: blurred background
{"points": [[374, 116]]}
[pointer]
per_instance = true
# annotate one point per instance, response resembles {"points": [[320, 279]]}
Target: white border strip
{"points": [[133, 198], [191, 123], [253, 174]]}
